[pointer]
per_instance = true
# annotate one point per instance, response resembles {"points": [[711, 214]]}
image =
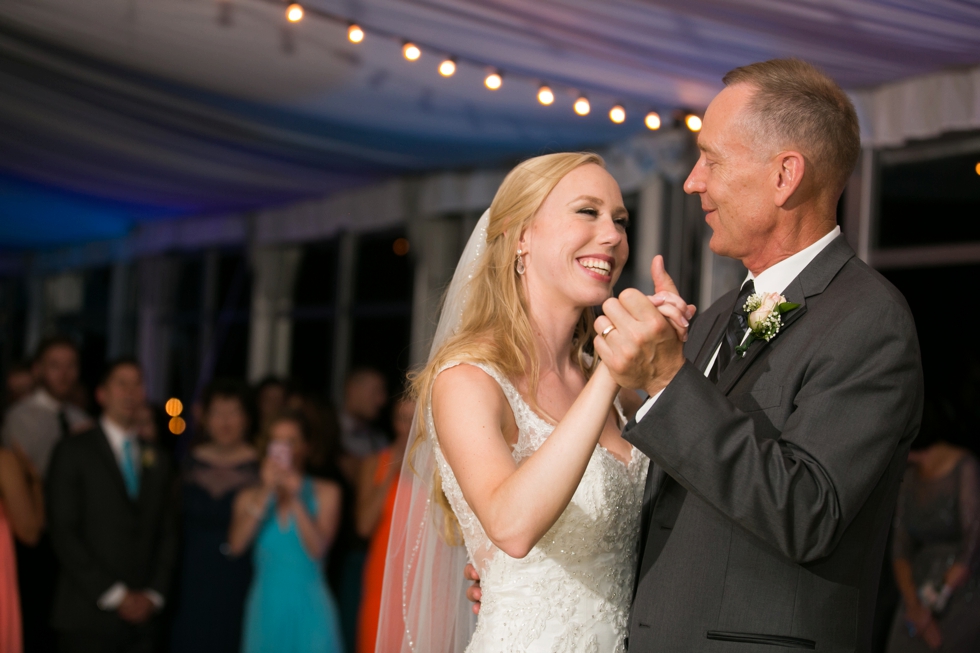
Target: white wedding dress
{"points": [[572, 592]]}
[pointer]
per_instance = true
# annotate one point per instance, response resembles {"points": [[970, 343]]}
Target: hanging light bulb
{"points": [[448, 67], [581, 106], [355, 34], [617, 114], [693, 122], [652, 121], [294, 13], [493, 81], [545, 95], [411, 51]]}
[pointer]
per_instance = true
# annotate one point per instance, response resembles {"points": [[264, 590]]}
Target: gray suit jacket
{"points": [[770, 495]]}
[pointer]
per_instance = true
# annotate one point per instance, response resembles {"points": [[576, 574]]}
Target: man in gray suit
{"points": [[775, 468]]}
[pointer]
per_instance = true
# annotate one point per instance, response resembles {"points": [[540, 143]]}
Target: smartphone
{"points": [[282, 454]]}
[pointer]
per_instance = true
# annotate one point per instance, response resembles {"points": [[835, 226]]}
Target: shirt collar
{"points": [[778, 277], [116, 434], [44, 399]]}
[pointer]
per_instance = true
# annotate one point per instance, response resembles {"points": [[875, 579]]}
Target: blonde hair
{"points": [[798, 105], [495, 328]]}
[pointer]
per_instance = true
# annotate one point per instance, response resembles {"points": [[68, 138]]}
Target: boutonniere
{"points": [[764, 311], [149, 457]]}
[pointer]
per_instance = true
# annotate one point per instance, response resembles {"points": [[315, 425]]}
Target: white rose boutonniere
{"points": [[764, 310]]}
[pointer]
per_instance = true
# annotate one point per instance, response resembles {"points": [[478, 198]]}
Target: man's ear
{"points": [[100, 396], [789, 175]]}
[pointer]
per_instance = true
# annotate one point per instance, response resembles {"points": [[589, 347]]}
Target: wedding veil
{"points": [[423, 601]]}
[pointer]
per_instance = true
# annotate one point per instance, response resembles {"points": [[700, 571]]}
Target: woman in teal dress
{"points": [[290, 519]]}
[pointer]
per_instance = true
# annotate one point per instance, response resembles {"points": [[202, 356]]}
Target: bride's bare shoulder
{"points": [[465, 378]]}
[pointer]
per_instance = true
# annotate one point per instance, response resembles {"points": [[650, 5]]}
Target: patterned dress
{"points": [[572, 592]]}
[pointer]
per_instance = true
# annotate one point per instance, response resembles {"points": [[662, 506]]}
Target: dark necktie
{"points": [[63, 424], [738, 322]]}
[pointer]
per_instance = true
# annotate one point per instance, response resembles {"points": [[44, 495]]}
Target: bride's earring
{"points": [[520, 263]]}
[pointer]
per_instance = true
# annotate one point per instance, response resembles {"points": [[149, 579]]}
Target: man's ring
{"points": [[607, 330]]}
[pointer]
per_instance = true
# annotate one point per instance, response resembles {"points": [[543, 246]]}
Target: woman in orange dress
{"points": [[376, 490], [21, 516]]}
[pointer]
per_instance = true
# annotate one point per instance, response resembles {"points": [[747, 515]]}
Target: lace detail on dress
{"points": [[572, 592]]}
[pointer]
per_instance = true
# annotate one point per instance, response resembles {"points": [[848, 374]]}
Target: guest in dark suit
{"points": [[111, 523], [776, 460]]}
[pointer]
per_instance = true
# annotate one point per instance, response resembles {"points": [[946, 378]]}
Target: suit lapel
{"points": [[715, 335], [813, 280]]}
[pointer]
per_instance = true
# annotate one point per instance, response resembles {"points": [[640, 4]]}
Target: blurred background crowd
{"points": [[262, 526]]}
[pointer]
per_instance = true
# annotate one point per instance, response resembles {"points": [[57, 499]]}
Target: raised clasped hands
{"points": [[645, 350]]}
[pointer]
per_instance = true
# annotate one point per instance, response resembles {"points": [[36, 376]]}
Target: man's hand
{"points": [[136, 608], [473, 592]]}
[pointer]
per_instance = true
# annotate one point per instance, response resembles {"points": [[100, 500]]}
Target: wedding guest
{"points": [[376, 492], [935, 547], [365, 394], [19, 384], [270, 399], [21, 517], [324, 430], [40, 419], [213, 584], [291, 518], [35, 424], [109, 509]]}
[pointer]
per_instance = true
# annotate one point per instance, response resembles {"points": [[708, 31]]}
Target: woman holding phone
{"points": [[291, 518]]}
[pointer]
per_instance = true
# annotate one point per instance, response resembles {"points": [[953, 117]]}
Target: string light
{"points": [[174, 407], [400, 247], [411, 51], [177, 425], [493, 81], [545, 95], [448, 67], [294, 13], [978, 168]]}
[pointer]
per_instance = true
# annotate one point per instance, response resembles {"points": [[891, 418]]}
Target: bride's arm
{"points": [[515, 505]]}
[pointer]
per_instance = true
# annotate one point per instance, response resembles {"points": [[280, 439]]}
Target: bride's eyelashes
{"points": [[623, 221]]}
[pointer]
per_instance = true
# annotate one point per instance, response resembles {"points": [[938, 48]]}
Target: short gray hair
{"points": [[798, 105]]}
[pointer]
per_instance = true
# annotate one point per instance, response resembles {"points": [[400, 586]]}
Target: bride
{"points": [[517, 453]]}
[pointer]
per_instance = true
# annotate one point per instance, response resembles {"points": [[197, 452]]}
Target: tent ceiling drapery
{"points": [[115, 111]]}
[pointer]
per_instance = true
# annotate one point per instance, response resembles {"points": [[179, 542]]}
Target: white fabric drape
{"points": [[918, 108]]}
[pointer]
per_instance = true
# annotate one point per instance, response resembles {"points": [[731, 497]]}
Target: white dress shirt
{"points": [[773, 279], [33, 424], [117, 437]]}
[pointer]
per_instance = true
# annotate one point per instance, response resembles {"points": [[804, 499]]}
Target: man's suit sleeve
{"points": [[861, 389], [166, 554], [65, 515]]}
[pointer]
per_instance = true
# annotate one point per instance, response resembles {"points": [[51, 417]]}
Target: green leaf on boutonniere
{"points": [[787, 306]]}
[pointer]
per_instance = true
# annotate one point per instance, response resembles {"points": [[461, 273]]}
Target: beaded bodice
{"points": [[572, 591]]}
